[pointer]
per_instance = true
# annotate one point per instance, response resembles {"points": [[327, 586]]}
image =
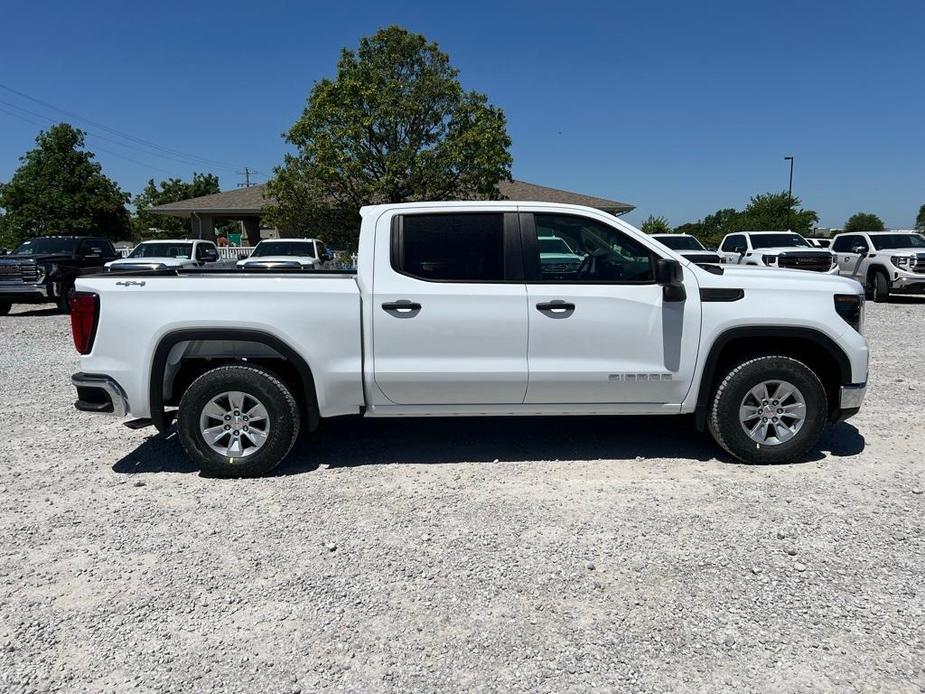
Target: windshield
{"points": [[777, 240], [293, 248], [48, 246], [162, 250], [884, 241], [681, 243], [553, 244]]}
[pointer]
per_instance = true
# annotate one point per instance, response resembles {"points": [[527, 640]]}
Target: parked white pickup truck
{"points": [[453, 313], [780, 249], [161, 254], [276, 254], [883, 261]]}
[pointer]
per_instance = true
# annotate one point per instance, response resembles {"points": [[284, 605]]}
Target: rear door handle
{"points": [[557, 306], [403, 306]]}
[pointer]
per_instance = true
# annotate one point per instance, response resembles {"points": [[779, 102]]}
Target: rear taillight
{"points": [[85, 313]]}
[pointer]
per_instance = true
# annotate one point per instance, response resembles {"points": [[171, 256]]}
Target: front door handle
{"points": [[403, 306], [557, 307]]}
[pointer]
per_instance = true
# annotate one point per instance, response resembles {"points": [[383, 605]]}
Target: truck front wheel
{"points": [[237, 421], [881, 287], [5, 307], [770, 409]]}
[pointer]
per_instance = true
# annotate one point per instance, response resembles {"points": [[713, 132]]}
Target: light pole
{"points": [[789, 192]]}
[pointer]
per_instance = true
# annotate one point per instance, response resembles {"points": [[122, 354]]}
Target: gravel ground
{"points": [[477, 555]]}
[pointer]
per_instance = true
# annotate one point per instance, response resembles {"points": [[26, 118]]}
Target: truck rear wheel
{"points": [[5, 307], [770, 409], [237, 421]]}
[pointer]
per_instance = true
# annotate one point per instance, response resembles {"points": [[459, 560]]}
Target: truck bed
{"points": [[317, 313]]}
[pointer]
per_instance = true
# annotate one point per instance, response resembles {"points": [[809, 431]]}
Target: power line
{"points": [[119, 133], [96, 135], [99, 149]]}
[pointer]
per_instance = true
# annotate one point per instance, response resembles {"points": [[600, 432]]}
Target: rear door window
{"points": [[450, 247]]}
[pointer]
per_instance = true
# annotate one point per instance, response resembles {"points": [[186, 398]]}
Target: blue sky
{"points": [[677, 107]]}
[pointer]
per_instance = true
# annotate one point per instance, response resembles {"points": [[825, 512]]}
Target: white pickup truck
{"points": [[883, 261], [453, 313], [780, 249]]}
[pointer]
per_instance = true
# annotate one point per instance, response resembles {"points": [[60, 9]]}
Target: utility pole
{"points": [[247, 177], [789, 192]]}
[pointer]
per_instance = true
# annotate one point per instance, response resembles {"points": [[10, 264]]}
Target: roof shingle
{"points": [[252, 200]]}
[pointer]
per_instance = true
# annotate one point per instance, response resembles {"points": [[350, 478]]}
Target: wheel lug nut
{"points": [[244, 418], [775, 402], [774, 419], [779, 411], [227, 417], [227, 426], [764, 419], [236, 413], [245, 427], [235, 432]]}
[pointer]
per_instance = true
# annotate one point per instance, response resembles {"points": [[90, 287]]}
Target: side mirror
{"points": [[741, 250], [243, 256], [670, 276], [860, 250]]}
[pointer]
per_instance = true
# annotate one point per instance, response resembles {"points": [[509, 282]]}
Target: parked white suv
{"points": [[165, 254], [688, 247], [453, 313], [305, 254], [883, 261], [780, 249]]}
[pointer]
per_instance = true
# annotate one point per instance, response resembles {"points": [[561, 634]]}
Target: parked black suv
{"points": [[42, 270]]}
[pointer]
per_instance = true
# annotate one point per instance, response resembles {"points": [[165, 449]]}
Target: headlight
{"points": [[903, 262], [769, 259], [851, 308]]}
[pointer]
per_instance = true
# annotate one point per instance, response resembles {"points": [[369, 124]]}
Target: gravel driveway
{"points": [[469, 555]]}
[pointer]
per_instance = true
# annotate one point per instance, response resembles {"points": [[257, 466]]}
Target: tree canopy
{"points": [[171, 190], [655, 225], [864, 221], [764, 212], [920, 219], [394, 125], [60, 189]]}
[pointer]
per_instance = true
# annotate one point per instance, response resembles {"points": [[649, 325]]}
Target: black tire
{"points": [[264, 386], [5, 307], [881, 288], [728, 431], [62, 299]]}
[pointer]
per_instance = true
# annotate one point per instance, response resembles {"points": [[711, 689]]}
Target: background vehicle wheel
{"points": [[237, 421], [5, 307], [62, 298], [770, 409], [881, 289]]}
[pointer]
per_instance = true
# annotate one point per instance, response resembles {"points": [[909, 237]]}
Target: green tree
{"points": [[773, 211], [864, 221], [60, 189], [920, 219], [711, 229], [655, 225], [394, 125], [171, 190]]}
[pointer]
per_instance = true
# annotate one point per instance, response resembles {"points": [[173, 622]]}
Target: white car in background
{"points": [[780, 249], [305, 254], [167, 254], [689, 247]]}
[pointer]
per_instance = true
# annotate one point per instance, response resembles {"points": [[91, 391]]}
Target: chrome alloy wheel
{"points": [[234, 424], [772, 412]]}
